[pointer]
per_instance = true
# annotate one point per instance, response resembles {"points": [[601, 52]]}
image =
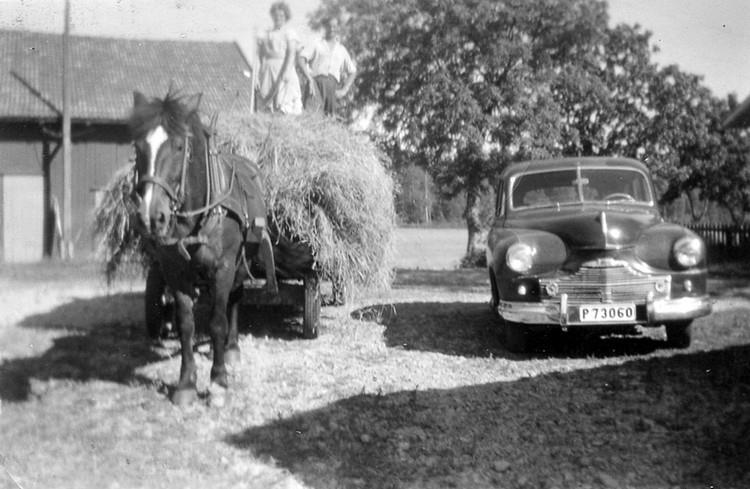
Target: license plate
{"points": [[606, 313]]}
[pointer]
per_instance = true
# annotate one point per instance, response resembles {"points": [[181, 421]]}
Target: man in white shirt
{"points": [[325, 65]]}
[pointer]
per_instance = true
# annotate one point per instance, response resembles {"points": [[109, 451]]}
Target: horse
{"points": [[203, 215]]}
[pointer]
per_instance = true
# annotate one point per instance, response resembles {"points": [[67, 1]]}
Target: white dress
{"points": [[272, 48]]}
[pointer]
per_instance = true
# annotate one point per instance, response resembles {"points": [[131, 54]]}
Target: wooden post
{"points": [[67, 210]]}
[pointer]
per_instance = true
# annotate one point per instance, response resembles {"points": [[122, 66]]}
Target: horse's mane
{"points": [[170, 112]]}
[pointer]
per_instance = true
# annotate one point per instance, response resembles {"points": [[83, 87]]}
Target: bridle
{"points": [[177, 197]]}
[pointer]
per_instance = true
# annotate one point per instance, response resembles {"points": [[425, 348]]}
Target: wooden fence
{"points": [[724, 241]]}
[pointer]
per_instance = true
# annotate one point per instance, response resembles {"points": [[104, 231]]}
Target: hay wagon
{"points": [[297, 284], [326, 186]]}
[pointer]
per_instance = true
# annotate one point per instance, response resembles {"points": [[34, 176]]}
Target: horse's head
{"points": [[167, 134]]}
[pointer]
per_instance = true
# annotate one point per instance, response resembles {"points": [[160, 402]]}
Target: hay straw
{"points": [[118, 245], [326, 187]]}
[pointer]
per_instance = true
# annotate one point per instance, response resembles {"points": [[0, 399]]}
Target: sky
{"points": [[710, 38]]}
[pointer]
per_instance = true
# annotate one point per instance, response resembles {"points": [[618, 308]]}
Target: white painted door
{"points": [[23, 218]]}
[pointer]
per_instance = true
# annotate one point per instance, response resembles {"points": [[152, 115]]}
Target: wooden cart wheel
{"points": [[311, 317]]}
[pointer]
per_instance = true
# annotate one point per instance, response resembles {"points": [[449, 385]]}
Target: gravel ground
{"points": [[409, 388]]}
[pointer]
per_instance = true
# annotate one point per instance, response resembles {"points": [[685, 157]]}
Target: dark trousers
{"points": [[326, 85]]}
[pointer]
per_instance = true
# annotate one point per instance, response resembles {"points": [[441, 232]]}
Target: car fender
{"points": [[551, 251], [654, 247]]}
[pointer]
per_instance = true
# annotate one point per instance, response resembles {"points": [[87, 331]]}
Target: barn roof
{"points": [[106, 71]]}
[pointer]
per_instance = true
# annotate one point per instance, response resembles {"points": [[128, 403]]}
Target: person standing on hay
{"points": [[278, 83], [324, 65]]}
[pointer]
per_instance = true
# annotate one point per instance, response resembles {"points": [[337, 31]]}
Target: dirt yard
{"points": [[405, 389]]}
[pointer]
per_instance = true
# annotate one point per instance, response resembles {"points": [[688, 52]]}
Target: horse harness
{"points": [[213, 210]]}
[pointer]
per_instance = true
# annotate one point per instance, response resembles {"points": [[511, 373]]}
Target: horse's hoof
{"points": [[232, 357], [184, 397], [217, 395]]}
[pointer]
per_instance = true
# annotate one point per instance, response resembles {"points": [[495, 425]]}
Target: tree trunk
{"points": [[695, 212], [474, 245]]}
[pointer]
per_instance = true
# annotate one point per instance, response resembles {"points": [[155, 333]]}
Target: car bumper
{"points": [[654, 311]]}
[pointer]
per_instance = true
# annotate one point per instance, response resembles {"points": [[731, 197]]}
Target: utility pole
{"points": [[67, 238]]}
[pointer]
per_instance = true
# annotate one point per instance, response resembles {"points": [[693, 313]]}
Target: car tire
{"points": [[517, 337], [679, 334]]}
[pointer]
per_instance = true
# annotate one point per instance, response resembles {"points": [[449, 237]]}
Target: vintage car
{"points": [[579, 244]]}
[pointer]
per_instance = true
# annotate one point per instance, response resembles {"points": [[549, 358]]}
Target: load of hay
{"points": [[326, 187], [117, 243]]}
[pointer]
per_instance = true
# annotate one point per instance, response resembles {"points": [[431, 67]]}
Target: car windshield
{"points": [[578, 185]]}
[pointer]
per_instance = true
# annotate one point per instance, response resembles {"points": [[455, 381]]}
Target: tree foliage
{"points": [[462, 87]]}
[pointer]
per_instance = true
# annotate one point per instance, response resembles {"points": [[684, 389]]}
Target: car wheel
{"points": [[517, 337], [679, 334]]}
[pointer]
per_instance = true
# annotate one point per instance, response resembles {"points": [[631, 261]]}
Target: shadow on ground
{"points": [[681, 421], [102, 344], [471, 329], [104, 338]]}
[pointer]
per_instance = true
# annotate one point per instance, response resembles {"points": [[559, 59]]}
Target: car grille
{"points": [[593, 283]]}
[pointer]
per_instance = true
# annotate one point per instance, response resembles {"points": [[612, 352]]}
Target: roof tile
{"points": [[106, 71]]}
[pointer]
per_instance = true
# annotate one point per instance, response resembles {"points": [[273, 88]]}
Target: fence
{"points": [[724, 241]]}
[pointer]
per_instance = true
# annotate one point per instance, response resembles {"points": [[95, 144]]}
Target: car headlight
{"points": [[688, 251], [520, 257]]}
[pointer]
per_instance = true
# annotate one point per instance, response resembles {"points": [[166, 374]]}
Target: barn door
{"points": [[22, 218]]}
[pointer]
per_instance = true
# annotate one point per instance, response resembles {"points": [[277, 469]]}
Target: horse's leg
{"points": [[185, 392], [232, 354], [221, 285]]}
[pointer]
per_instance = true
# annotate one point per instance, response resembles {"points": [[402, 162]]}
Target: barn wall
{"points": [[20, 149], [21, 153], [96, 153], [95, 163]]}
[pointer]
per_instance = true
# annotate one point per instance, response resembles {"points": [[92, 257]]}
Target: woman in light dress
{"points": [[278, 84]]}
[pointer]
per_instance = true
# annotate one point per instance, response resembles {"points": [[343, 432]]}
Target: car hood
{"points": [[594, 227]]}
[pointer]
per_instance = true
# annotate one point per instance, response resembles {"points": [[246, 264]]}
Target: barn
{"points": [[104, 74]]}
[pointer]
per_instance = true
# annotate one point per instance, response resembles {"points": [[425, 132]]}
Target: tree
{"points": [[461, 87], [604, 95], [726, 179], [616, 101], [414, 200]]}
